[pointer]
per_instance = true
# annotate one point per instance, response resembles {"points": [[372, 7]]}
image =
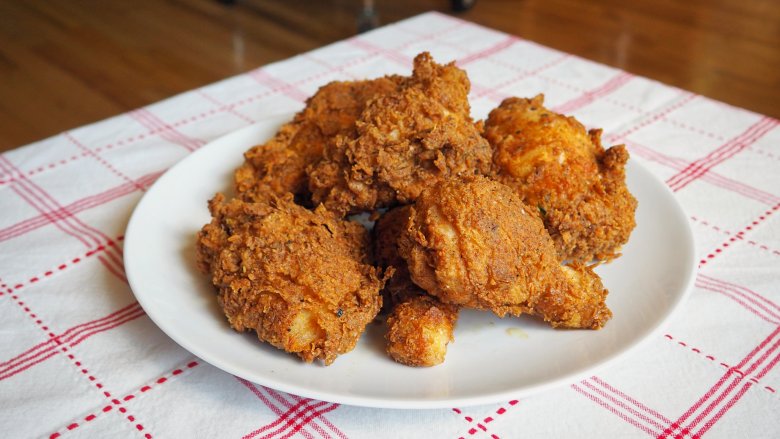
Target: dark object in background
{"points": [[462, 5], [369, 19]]}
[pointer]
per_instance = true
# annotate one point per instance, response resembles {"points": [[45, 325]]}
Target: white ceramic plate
{"points": [[491, 359]]}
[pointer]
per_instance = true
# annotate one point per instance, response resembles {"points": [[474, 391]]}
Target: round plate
{"points": [[491, 359]]}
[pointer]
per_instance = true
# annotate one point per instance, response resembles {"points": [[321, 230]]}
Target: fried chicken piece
{"points": [[406, 140], [419, 329], [386, 231], [279, 165], [301, 279], [473, 243], [419, 326], [564, 171]]}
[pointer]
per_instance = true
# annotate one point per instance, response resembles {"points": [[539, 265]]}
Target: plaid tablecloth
{"points": [[80, 358]]}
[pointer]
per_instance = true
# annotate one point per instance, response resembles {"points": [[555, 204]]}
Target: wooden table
{"points": [[80, 356], [64, 64]]}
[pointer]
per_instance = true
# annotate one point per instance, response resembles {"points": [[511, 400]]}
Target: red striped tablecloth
{"points": [[80, 358]]}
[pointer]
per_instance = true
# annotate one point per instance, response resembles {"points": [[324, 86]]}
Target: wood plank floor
{"points": [[67, 63]]}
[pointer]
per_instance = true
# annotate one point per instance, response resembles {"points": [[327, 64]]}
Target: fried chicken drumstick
{"points": [[473, 243], [299, 278], [564, 172], [419, 326]]}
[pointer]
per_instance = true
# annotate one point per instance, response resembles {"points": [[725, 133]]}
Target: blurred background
{"points": [[65, 63]]}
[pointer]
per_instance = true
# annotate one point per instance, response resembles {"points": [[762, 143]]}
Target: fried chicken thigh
{"points": [[419, 326], [475, 244], [564, 172], [279, 166], [301, 279], [406, 140]]}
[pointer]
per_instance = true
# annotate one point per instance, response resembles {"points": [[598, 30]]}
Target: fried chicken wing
{"points": [[279, 165], [559, 168], [474, 243], [406, 140], [301, 279], [419, 326]]}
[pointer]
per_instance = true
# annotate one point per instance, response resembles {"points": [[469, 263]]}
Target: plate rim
{"points": [[401, 403]]}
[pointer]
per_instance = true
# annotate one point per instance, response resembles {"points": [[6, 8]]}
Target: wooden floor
{"points": [[65, 63]]}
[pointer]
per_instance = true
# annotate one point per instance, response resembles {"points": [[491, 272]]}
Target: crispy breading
{"points": [[301, 279], [473, 243], [386, 231], [419, 329], [557, 166], [481, 215], [419, 326], [406, 140], [279, 165]]}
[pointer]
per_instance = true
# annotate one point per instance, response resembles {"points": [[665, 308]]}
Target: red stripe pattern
{"points": [[70, 338], [722, 153], [713, 360], [482, 426], [729, 389], [295, 410], [716, 365], [76, 423], [610, 86]]}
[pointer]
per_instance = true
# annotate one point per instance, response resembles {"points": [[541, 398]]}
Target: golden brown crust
{"points": [[467, 243], [386, 231], [419, 329], [304, 279], [473, 243], [406, 140], [279, 166], [301, 279], [575, 299], [563, 170], [419, 326]]}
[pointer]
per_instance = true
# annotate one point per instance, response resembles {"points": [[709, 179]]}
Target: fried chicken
{"points": [[419, 326], [385, 233], [406, 140], [279, 166], [474, 243], [301, 279], [564, 172], [419, 329], [482, 215]]}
